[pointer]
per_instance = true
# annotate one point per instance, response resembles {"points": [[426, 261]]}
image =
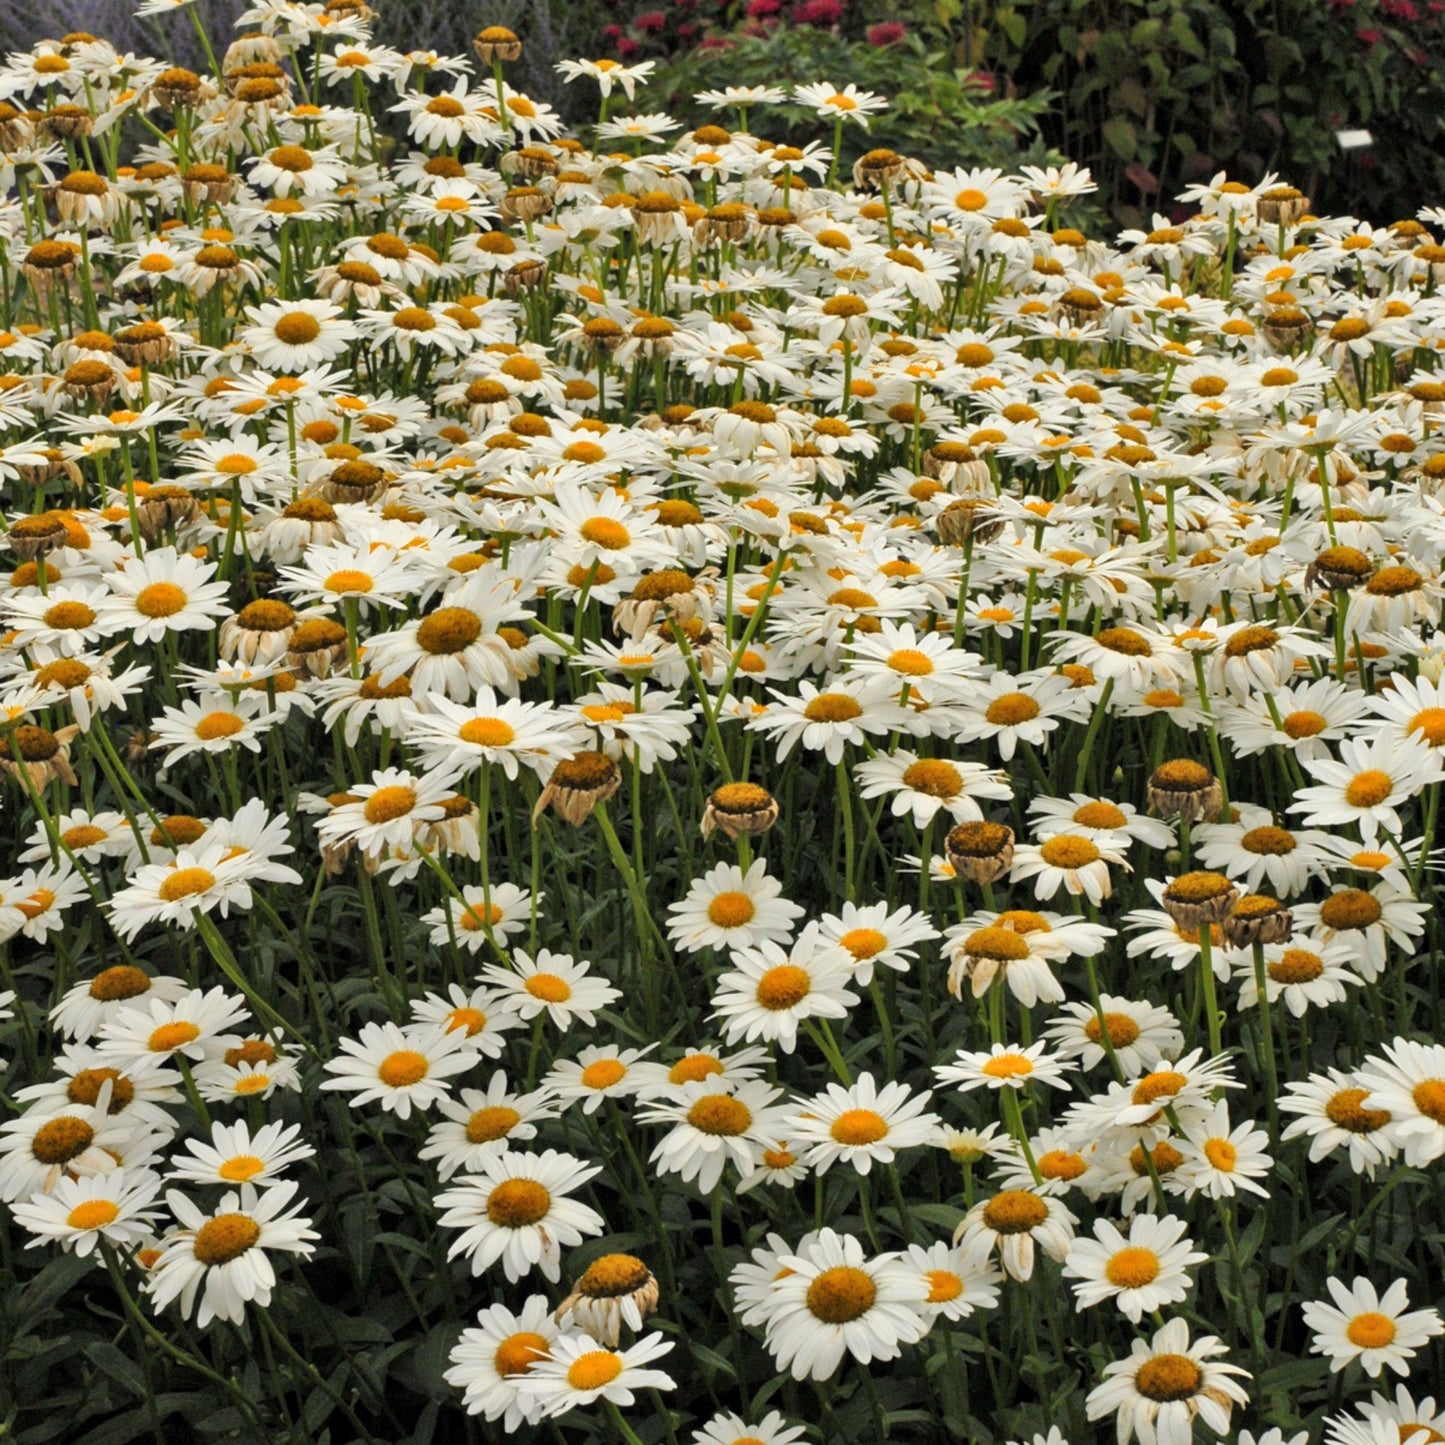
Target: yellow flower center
{"points": [[61, 1140], [519, 1352], [1350, 908], [226, 1237], [594, 1370], [448, 630], [720, 1114], [67, 616], [783, 987], [1061, 1164], [549, 988], [1008, 1066], [1167, 1378], [1132, 1268], [605, 533], [1296, 965], [731, 910], [943, 1286], [518, 1203], [297, 328], [864, 943], [160, 599], [1221, 1154], [487, 732], [694, 1068], [1100, 815], [1122, 1029], [388, 804], [613, 1275], [93, 1214], [1345, 1111], [857, 1127], [1430, 724], [349, 579], [1371, 1330], [603, 1074], [1068, 852], [1015, 1211], [215, 725], [1012, 709], [1369, 789], [832, 707], [495, 1121], [402, 1069], [241, 1168], [1002, 944], [175, 1035], [119, 982], [1429, 1097], [841, 1295], [1304, 724], [910, 662], [1161, 1084], [934, 777]]}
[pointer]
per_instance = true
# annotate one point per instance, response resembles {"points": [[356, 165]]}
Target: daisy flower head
{"points": [[1408, 1083], [834, 1301], [1368, 784], [1332, 1113], [601, 1071], [554, 983], [770, 990], [1098, 819], [237, 1156], [1219, 1161], [1016, 1223], [477, 1125], [384, 814], [478, 1016], [957, 1283], [1140, 1272], [401, 1068], [877, 938], [615, 1289], [1018, 708], [715, 1120], [862, 1124], [726, 1428], [1363, 1326], [1140, 1034], [1004, 1066], [924, 787], [1071, 861], [578, 1372], [848, 104], [1164, 1384], [290, 336], [1389, 1420], [729, 908], [80, 1212], [489, 1361], [164, 591], [1302, 975], [496, 913], [92, 1002], [516, 1209], [848, 710], [223, 1256], [190, 1026], [458, 737]]}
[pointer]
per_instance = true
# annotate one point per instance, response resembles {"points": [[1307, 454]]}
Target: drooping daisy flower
{"points": [[1015, 1222]]}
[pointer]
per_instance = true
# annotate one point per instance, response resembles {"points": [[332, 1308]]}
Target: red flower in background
{"points": [[650, 21], [889, 32], [818, 13], [1369, 36], [761, 9]]}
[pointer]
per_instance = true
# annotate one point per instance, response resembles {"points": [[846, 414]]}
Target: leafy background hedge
{"points": [[1150, 94]]}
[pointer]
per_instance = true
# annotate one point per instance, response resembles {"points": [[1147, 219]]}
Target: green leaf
{"points": [[1121, 138], [113, 1362]]}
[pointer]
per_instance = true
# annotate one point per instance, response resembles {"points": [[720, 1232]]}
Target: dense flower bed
{"points": [[659, 791]]}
